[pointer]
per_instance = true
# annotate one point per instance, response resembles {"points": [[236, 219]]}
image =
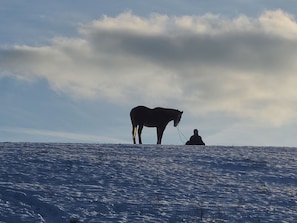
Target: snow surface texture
{"points": [[57, 183]]}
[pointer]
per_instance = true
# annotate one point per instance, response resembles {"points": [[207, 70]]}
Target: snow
{"points": [[63, 183]]}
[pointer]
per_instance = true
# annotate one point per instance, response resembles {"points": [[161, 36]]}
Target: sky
{"points": [[71, 71]]}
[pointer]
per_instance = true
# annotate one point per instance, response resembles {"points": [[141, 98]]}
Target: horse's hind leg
{"points": [[134, 128], [140, 127]]}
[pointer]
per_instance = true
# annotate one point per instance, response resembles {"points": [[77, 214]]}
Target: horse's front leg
{"points": [[160, 131], [140, 127]]}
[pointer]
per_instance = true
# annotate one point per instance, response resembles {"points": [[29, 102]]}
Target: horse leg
{"points": [[134, 128], [160, 131], [140, 127]]}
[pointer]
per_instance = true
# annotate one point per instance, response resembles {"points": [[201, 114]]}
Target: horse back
{"points": [[142, 115], [138, 114]]}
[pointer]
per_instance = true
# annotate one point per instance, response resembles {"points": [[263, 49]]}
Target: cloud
{"points": [[241, 66]]}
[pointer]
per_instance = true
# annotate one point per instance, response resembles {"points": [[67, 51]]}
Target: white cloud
{"points": [[242, 66]]}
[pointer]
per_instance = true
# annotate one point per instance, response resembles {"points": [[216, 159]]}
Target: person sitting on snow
{"points": [[195, 139]]}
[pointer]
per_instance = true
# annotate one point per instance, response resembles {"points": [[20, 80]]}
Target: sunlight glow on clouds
{"points": [[242, 66]]}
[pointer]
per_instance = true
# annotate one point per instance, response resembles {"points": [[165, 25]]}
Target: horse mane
{"points": [[167, 109]]}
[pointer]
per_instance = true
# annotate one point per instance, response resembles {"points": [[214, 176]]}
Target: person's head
{"points": [[195, 131]]}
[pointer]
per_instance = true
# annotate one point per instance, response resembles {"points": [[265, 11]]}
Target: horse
{"points": [[156, 117]]}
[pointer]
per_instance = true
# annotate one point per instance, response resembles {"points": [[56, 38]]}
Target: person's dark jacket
{"points": [[195, 140]]}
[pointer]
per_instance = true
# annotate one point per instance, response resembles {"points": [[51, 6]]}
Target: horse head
{"points": [[178, 117]]}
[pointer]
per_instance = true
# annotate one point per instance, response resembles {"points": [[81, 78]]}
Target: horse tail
{"points": [[132, 117], [134, 126]]}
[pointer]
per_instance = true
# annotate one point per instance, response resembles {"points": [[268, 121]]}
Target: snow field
{"points": [[57, 183]]}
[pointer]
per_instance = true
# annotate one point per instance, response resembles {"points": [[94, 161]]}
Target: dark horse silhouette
{"points": [[157, 117]]}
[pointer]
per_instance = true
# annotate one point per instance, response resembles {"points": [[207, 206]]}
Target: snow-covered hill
{"points": [[63, 183]]}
